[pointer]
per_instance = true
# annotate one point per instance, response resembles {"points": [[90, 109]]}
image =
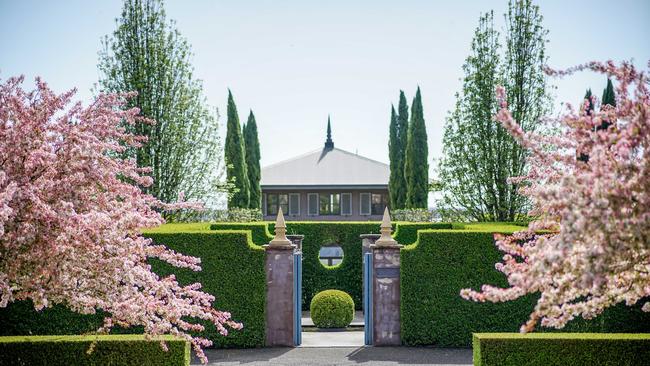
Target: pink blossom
{"points": [[71, 215]]}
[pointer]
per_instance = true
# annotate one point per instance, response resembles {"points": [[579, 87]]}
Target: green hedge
{"points": [[441, 263], [559, 349], [113, 350], [233, 271], [348, 275]]}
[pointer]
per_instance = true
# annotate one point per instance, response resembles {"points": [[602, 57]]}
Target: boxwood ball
{"points": [[332, 309]]}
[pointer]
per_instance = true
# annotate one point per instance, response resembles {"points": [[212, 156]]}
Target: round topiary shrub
{"points": [[332, 309]]}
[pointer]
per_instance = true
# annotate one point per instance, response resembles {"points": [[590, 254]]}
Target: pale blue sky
{"points": [[293, 62]]}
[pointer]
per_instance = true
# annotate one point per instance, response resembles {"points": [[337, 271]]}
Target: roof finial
{"points": [[329, 144]]}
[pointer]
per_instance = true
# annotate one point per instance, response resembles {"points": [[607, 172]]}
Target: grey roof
{"points": [[326, 167]]}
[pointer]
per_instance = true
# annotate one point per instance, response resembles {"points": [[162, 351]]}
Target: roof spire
{"points": [[329, 144]]}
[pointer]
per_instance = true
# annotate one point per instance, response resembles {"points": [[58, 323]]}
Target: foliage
{"points": [[118, 350], [148, 55], [332, 309], [233, 267], [609, 96], [252, 147], [513, 349], [478, 154], [71, 212], [412, 215], [600, 255], [236, 214], [236, 171], [442, 262], [397, 151], [416, 165], [346, 276]]}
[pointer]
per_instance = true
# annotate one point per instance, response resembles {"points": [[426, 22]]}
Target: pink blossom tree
{"points": [[599, 210], [71, 215]]}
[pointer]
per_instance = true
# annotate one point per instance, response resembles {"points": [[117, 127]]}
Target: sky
{"points": [[296, 62]]}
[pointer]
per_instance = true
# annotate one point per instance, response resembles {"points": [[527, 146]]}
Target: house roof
{"points": [[326, 167]]}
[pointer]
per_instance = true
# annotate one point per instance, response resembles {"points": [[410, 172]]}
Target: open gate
{"points": [[367, 299], [297, 298]]}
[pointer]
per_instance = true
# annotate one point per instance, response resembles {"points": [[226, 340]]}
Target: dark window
{"points": [[330, 204], [379, 203], [273, 201]]}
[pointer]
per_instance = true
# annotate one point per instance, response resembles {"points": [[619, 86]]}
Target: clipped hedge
{"points": [[332, 309], [346, 276], [555, 349], [116, 350], [441, 263], [232, 270]]}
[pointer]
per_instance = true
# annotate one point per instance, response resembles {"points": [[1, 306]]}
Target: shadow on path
{"points": [[353, 356]]}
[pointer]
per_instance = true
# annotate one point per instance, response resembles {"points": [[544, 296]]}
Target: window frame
{"points": [[277, 203], [317, 204], [349, 205], [369, 207], [289, 204]]}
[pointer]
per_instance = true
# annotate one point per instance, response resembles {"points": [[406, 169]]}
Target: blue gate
{"points": [[297, 298], [367, 298]]}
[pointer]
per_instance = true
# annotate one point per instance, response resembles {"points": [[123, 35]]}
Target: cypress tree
{"points": [[609, 98], [252, 147], [416, 169], [608, 101], [398, 190], [236, 158], [393, 156]]}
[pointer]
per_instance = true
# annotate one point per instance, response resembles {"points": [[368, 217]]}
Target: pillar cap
{"points": [[280, 240], [386, 240]]}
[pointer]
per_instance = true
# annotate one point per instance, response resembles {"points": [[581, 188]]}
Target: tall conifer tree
{"points": [[252, 144], [609, 98], [416, 169], [236, 171], [399, 137]]}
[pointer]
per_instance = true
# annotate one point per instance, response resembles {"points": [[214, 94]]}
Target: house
{"points": [[326, 184]]}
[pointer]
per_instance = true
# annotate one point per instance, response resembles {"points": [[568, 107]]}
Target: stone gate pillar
{"points": [[279, 287], [386, 287]]}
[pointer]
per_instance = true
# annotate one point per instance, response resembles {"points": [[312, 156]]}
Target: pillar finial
{"points": [[386, 240], [280, 239]]}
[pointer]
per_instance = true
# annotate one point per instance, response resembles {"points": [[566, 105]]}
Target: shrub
{"points": [[232, 267], [548, 349], [441, 263], [332, 309], [113, 350], [412, 215]]}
